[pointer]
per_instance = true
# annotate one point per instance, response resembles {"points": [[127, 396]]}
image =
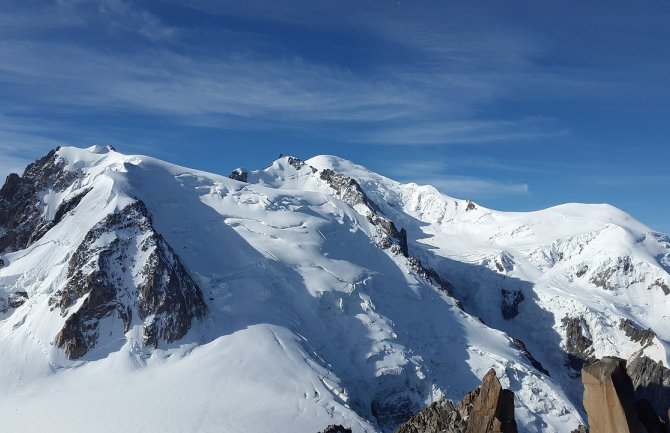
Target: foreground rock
{"points": [[609, 400], [487, 409]]}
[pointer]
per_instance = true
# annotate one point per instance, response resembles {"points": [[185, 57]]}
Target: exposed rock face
{"points": [[609, 398], [336, 429], [607, 278], [511, 299], [487, 409], [534, 362], [17, 299], [347, 189], [124, 269], [430, 274], [239, 174], [493, 410], [651, 381], [578, 346], [440, 416], [391, 234], [21, 209], [643, 336], [661, 285], [350, 191]]}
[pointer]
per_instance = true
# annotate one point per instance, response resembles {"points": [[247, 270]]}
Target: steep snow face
{"points": [[531, 274], [311, 313]]}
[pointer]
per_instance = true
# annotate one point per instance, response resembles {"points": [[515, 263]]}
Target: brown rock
{"points": [[609, 398], [493, 411]]}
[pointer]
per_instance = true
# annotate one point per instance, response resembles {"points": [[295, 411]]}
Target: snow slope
{"points": [[310, 319]]}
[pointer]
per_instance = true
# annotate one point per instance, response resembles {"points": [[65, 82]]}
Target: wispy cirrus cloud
{"points": [[467, 131], [426, 101], [436, 172]]}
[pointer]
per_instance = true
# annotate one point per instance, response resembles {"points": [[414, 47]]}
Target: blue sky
{"points": [[518, 105]]}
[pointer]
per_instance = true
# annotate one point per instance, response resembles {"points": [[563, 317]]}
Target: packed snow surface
{"points": [[310, 322]]}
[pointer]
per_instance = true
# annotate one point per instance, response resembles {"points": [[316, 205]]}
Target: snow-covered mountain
{"points": [[140, 295]]}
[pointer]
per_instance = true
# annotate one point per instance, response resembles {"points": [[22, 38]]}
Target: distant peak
{"points": [[101, 148]]}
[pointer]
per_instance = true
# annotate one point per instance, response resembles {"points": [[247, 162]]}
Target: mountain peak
{"points": [[318, 290]]}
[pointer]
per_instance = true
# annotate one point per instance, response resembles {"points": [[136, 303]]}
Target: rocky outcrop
{"points": [[239, 174], [125, 270], [529, 356], [651, 381], [16, 299], [493, 410], [389, 237], [487, 409], [643, 336], [607, 278], [609, 397], [13, 301], [440, 416], [333, 428], [612, 403], [21, 210], [578, 346], [511, 299], [661, 285], [347, 189]]}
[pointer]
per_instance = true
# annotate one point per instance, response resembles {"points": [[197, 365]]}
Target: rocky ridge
{"points": [[125, 268], [487, 409]]}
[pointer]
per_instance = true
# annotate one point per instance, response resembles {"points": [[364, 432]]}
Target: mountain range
{"points": [[142, 296]]}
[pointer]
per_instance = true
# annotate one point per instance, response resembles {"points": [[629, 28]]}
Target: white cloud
{"points": [[466, 131], [473, 187]]}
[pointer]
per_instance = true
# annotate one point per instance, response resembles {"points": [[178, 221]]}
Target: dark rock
{"points": [[651, 381], [296, 163], [643, 336], [166, 300], [510, 303], [431, 275], [3, 305], [578, 346], [347, 189], [470, 206], [581, 429], [661, 285], [440, 416], [582, 271], [609, 398], [21, 208], [11, 186], [336, 429], [239, 174], [534, 362], [17, 299], [487, 409], [604, 279], [390, 229]]}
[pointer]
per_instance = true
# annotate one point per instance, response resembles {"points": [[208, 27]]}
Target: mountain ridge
{"points": [[309, 258]]}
